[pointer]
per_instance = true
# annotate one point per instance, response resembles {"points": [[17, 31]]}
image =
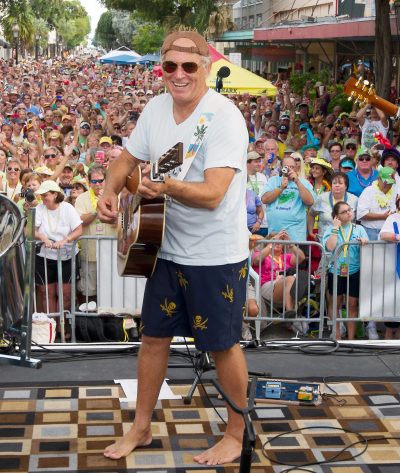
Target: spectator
{"points": [[348, 268], [272, 164], [11, 184], [371, 121], [350, 146], [377, 202], [86, 206], [335, 150], [287, 198], [256, 181], [255, 212], [364, 174], [346, 165], [274, 262], [57, 226], [390, 232]]}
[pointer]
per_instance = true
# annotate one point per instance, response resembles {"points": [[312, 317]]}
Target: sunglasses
{"points": [[297, 160], [96, 181], [364, 158], [189, 67], [351, 147], [48, 156], [85, 127], [13, 169], [117, 127]]}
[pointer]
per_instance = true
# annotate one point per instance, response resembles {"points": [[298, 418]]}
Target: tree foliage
{"points": [[40, 16], [170, 14], [148, 38], [105, 35]]}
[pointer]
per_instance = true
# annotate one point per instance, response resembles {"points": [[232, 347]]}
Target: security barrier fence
{"points": [[303, 303]]}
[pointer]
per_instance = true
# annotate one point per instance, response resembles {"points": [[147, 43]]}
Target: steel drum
{"points": [[12, 253]]}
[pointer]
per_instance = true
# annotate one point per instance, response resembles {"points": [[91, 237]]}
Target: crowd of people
{"points": [[312, 175]]}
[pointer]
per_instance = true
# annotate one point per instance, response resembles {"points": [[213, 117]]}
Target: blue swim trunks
{"points": [[204, 302]]}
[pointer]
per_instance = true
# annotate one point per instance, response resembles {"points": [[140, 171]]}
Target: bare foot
{"points": [[124, 446], [227, 450]]}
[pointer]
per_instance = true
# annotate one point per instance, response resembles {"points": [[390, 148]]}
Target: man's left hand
{"points": [[149, 189], [292, 175]]}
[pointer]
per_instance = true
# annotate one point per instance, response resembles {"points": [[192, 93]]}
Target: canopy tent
{"points": [[150, 58], [240, 80], [122, 55]]}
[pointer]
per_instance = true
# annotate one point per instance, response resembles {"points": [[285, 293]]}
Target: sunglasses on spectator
{"points": [[189, 67], [96, 181], [364, 158], [86, 127], [13, 169], [48, 156], [351, 147], [297, 160], [117, 127], [395, 136]]}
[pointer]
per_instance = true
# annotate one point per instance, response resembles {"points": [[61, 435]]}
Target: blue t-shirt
{"points": [[353, 257], [252, 202], [288, 212], [357, 183]]}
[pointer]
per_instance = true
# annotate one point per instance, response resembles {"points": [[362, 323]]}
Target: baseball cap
{"points": [[48, 186], [201, 46], [350, 141], [347, 163], [84, 124], [105, 139], [252, 155], [283, 129], [363, 151], [149, 92], [69, 165], [386, 175]]}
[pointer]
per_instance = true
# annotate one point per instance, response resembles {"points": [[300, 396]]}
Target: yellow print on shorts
{"points": [[228, 294], [198, 322], [168, 308], [243, 272], [183, 282]]}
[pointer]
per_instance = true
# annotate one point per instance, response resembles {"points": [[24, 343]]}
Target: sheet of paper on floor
{"points": [[129, 387]]}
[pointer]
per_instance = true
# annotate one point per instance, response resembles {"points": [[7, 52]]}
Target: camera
{"points": [[368, 112], [27, 194], [285, 170]]}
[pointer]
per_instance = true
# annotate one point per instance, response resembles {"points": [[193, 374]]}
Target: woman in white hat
{"points": [[57, 225]]}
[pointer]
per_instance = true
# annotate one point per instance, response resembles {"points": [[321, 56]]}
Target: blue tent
{"points": [[121, 59], [122, 55], [150, 58]]}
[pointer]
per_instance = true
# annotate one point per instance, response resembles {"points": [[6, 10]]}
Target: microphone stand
{"points": [[249, 436]]}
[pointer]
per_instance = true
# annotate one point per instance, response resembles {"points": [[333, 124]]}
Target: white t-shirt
{"points": [[56, 225], [368, 203], [388, 224], [198, 236], [368, 129]]}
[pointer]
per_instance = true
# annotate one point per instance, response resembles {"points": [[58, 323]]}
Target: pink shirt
{"points": [[270, 267]]}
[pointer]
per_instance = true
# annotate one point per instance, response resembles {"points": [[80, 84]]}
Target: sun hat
{"points": [[252, 155], [105, 139], [323, 163], [49, 186], [44, 170], [363, 151], [391, 152]]}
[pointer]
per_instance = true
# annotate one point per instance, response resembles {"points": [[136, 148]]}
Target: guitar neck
{"points": [[366, 94]]}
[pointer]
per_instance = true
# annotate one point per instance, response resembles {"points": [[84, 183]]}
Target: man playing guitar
{"points": [[198, 288]]}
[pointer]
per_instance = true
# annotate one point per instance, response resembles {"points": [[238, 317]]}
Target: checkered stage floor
{"points": [[65, 429]]}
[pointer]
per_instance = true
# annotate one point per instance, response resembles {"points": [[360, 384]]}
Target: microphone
{"points": [[223, 72]]}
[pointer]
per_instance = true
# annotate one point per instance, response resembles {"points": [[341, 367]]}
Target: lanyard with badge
{"points": [[344, 267]]}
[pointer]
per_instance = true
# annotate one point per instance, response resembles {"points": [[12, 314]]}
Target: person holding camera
{"points": [[371, 120], [287, 197]]}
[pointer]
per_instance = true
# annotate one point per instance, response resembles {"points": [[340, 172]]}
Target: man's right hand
{"points": [[107, 208], [284, 182]]}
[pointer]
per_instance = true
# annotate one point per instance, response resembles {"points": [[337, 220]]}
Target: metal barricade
{"points": [[115, 294], [302, 296], [379, 294]]}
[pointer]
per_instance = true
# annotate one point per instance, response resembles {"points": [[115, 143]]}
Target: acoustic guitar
{"points": [[142, 221], [363, 93]]}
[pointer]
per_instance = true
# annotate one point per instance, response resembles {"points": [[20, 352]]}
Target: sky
{"points": [[94, 10]]}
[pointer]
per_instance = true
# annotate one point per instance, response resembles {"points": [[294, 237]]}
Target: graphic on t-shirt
{"points": [[285, 199], [368, 136]]}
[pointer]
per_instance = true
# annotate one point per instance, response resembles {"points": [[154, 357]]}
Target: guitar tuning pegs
{"points": [[366, 83], [349, 99], [358, 82]]}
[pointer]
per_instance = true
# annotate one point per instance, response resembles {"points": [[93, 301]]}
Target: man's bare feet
{"points": [[124, 446], [227, 450]]}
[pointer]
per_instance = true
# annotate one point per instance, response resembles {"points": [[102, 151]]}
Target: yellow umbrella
{"points": [[240, 80]]}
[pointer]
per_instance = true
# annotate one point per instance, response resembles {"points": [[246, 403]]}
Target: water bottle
{"points": [[271, 158]]}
